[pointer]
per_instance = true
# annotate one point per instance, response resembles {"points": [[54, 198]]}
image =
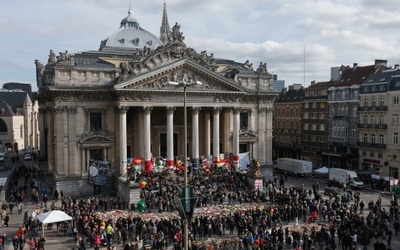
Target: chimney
{"points": [[284, 91], [379, 62], [396, 66], [312, 82], [355, 66]]}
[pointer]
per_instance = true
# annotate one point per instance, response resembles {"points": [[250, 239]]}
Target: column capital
{"points": [[170, 110], [236, 110], [122, 109], [59, 109], [196, 110], [71, 110], [262, 110], [147, 110], [217, 110]]}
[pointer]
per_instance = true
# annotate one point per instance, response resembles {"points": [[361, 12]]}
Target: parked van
{"points": [[346, 177], [2, 157]]}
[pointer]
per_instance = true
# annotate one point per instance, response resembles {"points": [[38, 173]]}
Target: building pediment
{"points": [[96, 136], [247, 135], [182, 70]]}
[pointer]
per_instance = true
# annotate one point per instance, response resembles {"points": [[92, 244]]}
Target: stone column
{"points": [[60, 153], [217, 110], [268, 131], [259, 153], [73, 163], [253, 118], [105, 154], [147, 139], [207, 134], [236, 124], [50, 140], [195, 136], [170, 137], [141, 134], [42, 143], [122, 110], [85, 167]]}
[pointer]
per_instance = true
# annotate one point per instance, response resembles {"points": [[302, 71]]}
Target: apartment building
{"points": [[343, 101], [315, 123], [287, 123], [378, 123]]}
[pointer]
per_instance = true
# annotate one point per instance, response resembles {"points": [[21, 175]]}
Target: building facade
{"points": [[378, 123], [18, 119], [128, 100], [315, 123], [287, 139], [343, 100]]}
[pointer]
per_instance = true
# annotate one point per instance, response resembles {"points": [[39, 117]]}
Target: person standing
{"points": [[6, 219], [3, 240], [32, 244], [40, 244]]}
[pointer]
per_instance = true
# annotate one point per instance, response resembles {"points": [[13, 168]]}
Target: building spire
{"points": [[165, 30]]}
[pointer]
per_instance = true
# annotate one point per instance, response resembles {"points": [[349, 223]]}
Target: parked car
{"points": [[27, 157], [2, 157]]}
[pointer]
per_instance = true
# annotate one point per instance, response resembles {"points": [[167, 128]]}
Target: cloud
{"points": [[332, 32]]}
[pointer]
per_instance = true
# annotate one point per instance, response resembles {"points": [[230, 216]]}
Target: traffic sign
{"points": [[186, 203]]}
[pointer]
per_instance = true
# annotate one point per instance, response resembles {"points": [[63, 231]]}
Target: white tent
{"points": [[323, 170], [53, 217]]}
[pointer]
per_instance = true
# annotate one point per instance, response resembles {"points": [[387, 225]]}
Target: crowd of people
{"points": [[230, 214]]}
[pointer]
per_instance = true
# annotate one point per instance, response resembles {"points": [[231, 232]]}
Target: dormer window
{"points": [[136, 41]]}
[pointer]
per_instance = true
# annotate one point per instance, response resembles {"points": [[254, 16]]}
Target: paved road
{"points": [[66, 242]]}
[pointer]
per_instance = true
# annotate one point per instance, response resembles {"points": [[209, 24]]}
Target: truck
{"points": [[345, 178], [294, 166]]}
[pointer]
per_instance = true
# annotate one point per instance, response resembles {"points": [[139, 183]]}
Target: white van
{"points": [[2, 157], [345, 177]]}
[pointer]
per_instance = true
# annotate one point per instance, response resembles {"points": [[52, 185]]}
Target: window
{"points": [[365, 120], [395, 100], [395, 119], [355, 112], [373, 120], [365, 140], [373, 103], [381, 120], [244, 120], [381, 140], [365, 102], [354, 134], [395, 138], [373, 139], [381, 102], [95, 121]]}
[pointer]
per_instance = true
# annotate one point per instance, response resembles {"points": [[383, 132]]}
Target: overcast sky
{"points": [[294, 38]]}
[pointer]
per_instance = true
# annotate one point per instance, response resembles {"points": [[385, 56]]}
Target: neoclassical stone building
{"points": [[120, 102]]}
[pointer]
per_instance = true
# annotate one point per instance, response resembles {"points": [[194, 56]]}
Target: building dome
{"points": [[131, 36]]}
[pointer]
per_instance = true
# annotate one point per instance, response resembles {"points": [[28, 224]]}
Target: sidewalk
{"points": [[16, 220]]}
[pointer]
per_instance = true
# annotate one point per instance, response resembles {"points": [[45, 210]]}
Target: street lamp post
{"points": [[184, 84]]}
